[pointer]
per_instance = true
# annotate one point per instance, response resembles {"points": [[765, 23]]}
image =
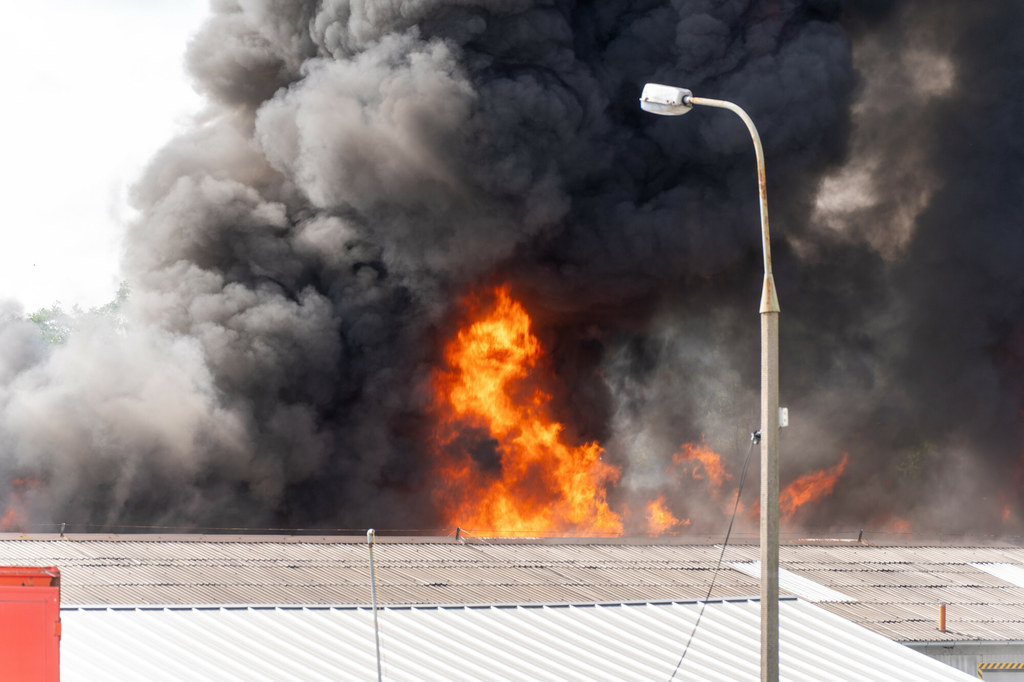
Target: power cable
{"points": [[755, 438]]}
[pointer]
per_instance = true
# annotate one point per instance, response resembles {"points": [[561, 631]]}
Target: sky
{"points": [[92, 90]]}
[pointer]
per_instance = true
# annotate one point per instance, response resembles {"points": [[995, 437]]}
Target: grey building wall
{"points": [[968, 656]]}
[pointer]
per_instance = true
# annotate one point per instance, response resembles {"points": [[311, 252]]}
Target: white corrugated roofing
{"points": [[1008, 572], [793, 583], [619, 642]]}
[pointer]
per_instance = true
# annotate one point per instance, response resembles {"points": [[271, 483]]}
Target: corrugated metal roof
{"points": [[619, 642], [793, 583], [896, 590], [1007, 572]]}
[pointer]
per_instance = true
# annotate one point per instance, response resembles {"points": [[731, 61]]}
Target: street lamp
{"points": [[671, 101]]}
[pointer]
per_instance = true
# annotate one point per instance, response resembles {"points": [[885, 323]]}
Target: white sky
{"points": [[91, 89]]}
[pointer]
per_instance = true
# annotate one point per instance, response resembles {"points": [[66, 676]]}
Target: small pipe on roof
{"points": [[942, 617], [371, 537]]}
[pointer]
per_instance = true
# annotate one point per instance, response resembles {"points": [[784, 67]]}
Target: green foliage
{"points": [[113, 308], [57, 326], [54, 323]]}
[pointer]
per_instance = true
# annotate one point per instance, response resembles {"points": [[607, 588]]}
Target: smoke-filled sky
{"points": [[300, 255]]}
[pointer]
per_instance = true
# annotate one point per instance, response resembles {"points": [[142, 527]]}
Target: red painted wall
{"points": [[29, 624]]}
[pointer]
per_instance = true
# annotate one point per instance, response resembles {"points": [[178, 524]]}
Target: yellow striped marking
{"points": [[982, 667]]}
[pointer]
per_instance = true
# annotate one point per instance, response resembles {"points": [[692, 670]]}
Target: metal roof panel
{"points": [[897, 585], [621, 642]]}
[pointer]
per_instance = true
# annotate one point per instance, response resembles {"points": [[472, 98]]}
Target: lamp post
{"points": [[671, 101]]}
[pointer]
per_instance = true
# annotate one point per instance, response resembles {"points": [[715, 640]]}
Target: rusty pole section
{"points": [[942, 617], [769, 311], [769, 299]]}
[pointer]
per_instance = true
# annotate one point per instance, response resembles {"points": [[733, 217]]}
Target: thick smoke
{"points": [[363, 164]]}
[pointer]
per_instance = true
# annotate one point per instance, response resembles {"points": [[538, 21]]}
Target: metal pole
{"points": [[371, 537], [769, 311]]}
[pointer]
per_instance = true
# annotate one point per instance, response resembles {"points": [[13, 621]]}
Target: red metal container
{"points": [[29, 624]]}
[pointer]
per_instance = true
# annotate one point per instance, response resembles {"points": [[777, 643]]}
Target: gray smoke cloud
{"points": [[302, 253]]}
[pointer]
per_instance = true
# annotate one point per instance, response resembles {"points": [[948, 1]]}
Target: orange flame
{"points": [[711, 463], [810, 488], [14, 517], [887, 523], [660, 520], [898, 525], [535, 481]]}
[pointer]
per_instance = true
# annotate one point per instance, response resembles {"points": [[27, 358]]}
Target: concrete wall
{"points": [[968, 656]]}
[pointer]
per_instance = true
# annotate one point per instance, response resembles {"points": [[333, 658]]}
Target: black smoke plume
{"points": [[363, 165]]}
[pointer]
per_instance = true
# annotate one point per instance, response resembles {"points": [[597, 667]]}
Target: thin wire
{"points": [[243, 529], [71, 527], [430, 532], [754, 438]]}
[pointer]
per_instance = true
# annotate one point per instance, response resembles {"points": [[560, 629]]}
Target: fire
{"points": [[710, 462], [506, 465], [660, 520], [887, 523], [810, 488], [14, 517], [1008, 500], [503, 459], [898, 525]]}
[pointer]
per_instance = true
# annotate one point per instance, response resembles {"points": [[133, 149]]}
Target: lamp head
{"points": [[665, 100]]}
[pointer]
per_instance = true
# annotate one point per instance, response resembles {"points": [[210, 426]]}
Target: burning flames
{"points": [[519, 475], [810, 488], [12, 519], [661, 521], [710, 464], [15, 516], [506, 465]]}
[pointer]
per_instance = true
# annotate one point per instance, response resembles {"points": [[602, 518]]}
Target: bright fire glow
{"points": [[897, 525], [660, 520], [521, 477], [711, 464], [14, 517], [506, 466], [11, 519], [810, 488]]}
